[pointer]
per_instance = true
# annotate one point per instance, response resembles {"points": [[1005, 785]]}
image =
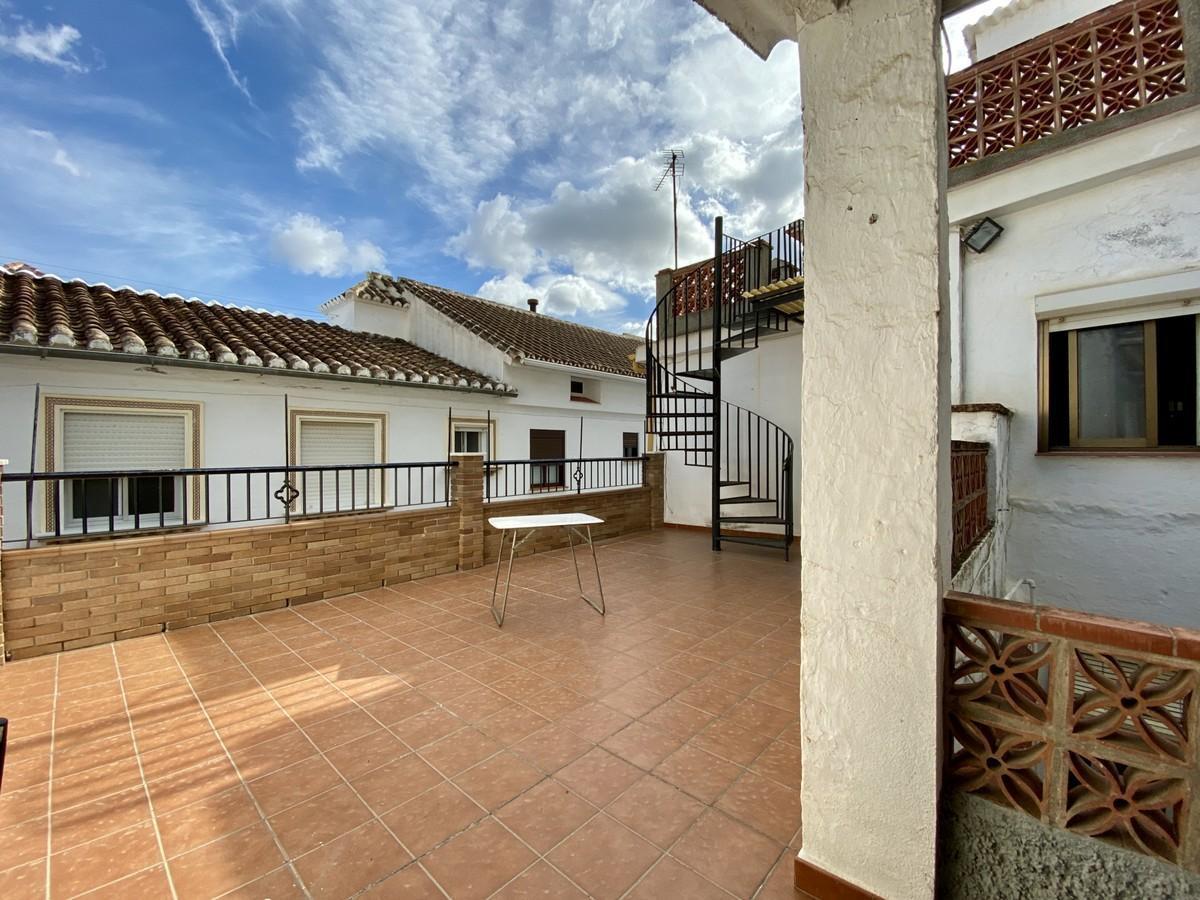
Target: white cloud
{"points": [[311, 247], [558, 294], [52, 44], [495, 238], [221, 22], [59, 155]]}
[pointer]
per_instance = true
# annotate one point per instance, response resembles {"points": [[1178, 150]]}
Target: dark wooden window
{"points": [[629, 444], [547, 444]]}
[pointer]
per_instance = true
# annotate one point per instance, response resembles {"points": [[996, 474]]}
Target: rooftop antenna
{"points": [[673, 169]]}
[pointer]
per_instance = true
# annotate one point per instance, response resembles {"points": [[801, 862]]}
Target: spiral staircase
{"points": [[713, 311]]}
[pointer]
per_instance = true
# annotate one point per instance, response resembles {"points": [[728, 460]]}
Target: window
{"points": [[585, 390], [333, 444], [576, 388], [106, 440], [629, 444], [545, 444], [1125, 385], [471, 436]]}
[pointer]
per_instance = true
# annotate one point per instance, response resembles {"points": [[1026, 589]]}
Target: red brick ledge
{"points": [[814, 882], [998, 408], [1088, 628]]}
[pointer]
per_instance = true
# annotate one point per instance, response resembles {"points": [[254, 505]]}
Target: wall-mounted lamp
{"points": [[982, 233]]}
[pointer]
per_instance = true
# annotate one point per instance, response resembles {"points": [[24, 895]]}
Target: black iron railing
{"points": [[713, 311], [120, 501], [512, 478]]}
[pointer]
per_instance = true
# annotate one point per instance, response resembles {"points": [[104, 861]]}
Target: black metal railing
{"points": [[120, 501], [512, 478], [712, 311]]}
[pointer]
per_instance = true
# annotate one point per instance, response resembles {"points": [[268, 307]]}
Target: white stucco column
{"points": [[875, 441]]}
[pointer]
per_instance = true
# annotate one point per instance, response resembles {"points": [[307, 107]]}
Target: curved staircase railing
{"points": [[715, 310]]}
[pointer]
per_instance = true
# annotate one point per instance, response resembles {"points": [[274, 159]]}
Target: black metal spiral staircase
{"points": [[713, 311]]}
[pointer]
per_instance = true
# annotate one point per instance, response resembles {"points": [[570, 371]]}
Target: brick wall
{"points": [[3, 463], [623, 511], [80, 593]]}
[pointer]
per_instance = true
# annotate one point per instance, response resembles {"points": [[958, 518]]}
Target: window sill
{"points": [[576, 399], [96, 534], [1159, 452]]}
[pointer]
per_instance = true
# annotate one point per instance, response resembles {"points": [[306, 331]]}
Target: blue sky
{"points": [[270, 152]]}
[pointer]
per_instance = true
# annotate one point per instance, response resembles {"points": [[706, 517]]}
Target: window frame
{"points": [[485, 425], [1149, 443], [188, 498], [637, 443], [557, 464], [296, 420]]}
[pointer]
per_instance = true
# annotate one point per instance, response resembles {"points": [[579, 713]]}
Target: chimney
{"points": [[532, 301]]}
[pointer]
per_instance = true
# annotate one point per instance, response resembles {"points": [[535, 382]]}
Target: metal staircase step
{"points": [[780, 543], [747, 500], [702, 374], [684, 434], [730, 352], [680, 415], [747, 335], [754, 520], [683, 395], [732, 483]]}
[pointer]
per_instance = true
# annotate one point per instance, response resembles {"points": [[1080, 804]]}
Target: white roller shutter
{"points": [[332, 443], [94, 441]]}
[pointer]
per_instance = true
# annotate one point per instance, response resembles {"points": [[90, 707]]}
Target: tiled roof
{"points": [[528, 334], [48, 312]]}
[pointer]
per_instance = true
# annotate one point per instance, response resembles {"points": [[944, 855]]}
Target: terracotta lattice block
{"points": [[1008, 767], [1003, 671]]}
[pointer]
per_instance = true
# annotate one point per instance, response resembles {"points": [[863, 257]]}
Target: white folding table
{"points": [[577, 525]]}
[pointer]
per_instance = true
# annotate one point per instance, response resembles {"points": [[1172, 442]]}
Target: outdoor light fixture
{"points": [[982, 233]]}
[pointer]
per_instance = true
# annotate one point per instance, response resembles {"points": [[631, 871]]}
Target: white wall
{"points": [[765, 381], [1025, 19], [1116, 535], [243, 412]]}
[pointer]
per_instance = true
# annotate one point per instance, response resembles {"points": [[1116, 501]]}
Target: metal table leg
{"points": [[578, 579], [512, 551]]}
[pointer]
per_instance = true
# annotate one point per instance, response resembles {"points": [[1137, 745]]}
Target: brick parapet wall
{"points": [[623, 511], [85, 592], [79, 594], [653, 476], [467, 490]]}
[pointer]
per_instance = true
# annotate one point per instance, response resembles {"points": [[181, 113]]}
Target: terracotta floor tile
{"points": [[226, 863], [27, 882], [189, 785], [478, 862], [98, 862], [539, 882], [353, 861], [477, 705], [162, 761], [282, 884], [670, 878], [148, 884], [319, 820], [411, 883], [23, 842], [295, 783], [780, 884], [633, 700], [545, 814], [708, 697], [341, 729], [604, 857], [206, 820], [512, 724], [764, 805], [497, 780], [700, 774], [361, 756], [426, 727], [98, 818], [398, 706], [552, 747], [458, 752], [271, 756], [728, 740], [101, 781], [594, 721], [642, 744], [390, 785], [728, 853], [430, 818], [677, 718], [598, 776], [780, 762], [760, 717], [555, 702], [658, 811]]}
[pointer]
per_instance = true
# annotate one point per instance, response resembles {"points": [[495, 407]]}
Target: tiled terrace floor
{"points": [[395, 743]]}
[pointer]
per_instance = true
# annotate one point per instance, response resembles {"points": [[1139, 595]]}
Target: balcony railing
{"points": [[58, 505], [513, 478], [1123, 58], [1084, 722], [969, 487], [746, 266]]}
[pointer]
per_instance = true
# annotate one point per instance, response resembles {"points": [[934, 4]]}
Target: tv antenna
{"points": [[673, 169]]}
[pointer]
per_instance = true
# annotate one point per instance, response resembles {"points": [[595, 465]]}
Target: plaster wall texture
{"points": [[985, 570], [1113, 535], [989, 852], [243, 413], [1025, 19], [875, 442], [765, 381]]}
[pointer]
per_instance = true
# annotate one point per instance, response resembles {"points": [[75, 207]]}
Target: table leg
{"points": [[512, 552], [579, 580]]}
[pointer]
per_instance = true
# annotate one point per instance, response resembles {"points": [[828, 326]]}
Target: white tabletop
{"points": [[551, 520]]}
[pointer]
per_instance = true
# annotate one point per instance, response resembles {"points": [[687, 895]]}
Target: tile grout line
{"points": [[137, 755], [50, 777], [220, 740]]}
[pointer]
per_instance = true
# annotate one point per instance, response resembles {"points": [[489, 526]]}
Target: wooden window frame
{"points": [[1076, 444]]}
